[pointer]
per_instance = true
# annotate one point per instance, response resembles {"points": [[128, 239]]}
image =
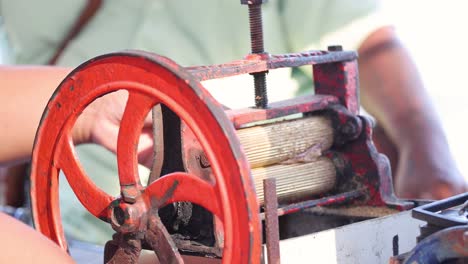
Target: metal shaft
{"points": [[256, 41], [271, 221]]}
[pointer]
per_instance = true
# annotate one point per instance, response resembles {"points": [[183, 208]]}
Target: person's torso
{"points": [[191, 32]]}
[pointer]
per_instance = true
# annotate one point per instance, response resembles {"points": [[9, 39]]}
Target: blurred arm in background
{"points": [[393, 92], [23, 98]]}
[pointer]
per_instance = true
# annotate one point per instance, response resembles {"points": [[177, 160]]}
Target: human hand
{"points": [[100, 121], [425, 175]]}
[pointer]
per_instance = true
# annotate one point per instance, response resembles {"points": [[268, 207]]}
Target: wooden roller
{"points": [[289, 151], [269, 144], [298, 145], [294, 181]]}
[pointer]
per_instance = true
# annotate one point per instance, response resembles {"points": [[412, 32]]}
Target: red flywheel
{"points": [[149, 80]]}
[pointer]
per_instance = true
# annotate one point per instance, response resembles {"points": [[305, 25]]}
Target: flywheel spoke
{"points": [[183, 187], [136, 110], [91, 196]]}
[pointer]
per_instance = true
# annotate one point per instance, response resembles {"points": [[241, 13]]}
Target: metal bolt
{"points": [[349, 129]]}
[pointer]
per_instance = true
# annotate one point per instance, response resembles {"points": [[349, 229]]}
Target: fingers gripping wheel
{"points": [[149, 80]]}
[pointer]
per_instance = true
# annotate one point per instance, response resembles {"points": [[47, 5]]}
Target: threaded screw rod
{"points": [[257, 45]]}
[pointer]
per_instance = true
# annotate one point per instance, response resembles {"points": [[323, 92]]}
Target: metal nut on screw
{"points": [[348, 131], [128, 218]]}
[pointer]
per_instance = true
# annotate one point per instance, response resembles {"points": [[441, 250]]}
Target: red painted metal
{"points": [[93, 198], [260, 63], [137, 108], [302, 104], [178, 187], [360, 165], [149, 79], [340, 79]]}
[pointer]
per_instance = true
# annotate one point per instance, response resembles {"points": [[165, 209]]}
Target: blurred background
{"points": [[436, 34]]}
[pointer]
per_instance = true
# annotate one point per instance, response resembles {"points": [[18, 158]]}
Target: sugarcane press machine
{"points": [[224, 181]]}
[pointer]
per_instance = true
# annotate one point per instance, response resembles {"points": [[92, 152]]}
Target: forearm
{"points": [[24, 93], [393, 92], [21, 244]]}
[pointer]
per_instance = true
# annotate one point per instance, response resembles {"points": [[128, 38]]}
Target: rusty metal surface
{"points": [[192, 247], [262, 63], [302, 104], [359, 165], [158, 143], [347, 127], [271, 221], [122, 249], [340, 79], [338, 199], [161, 242]]}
